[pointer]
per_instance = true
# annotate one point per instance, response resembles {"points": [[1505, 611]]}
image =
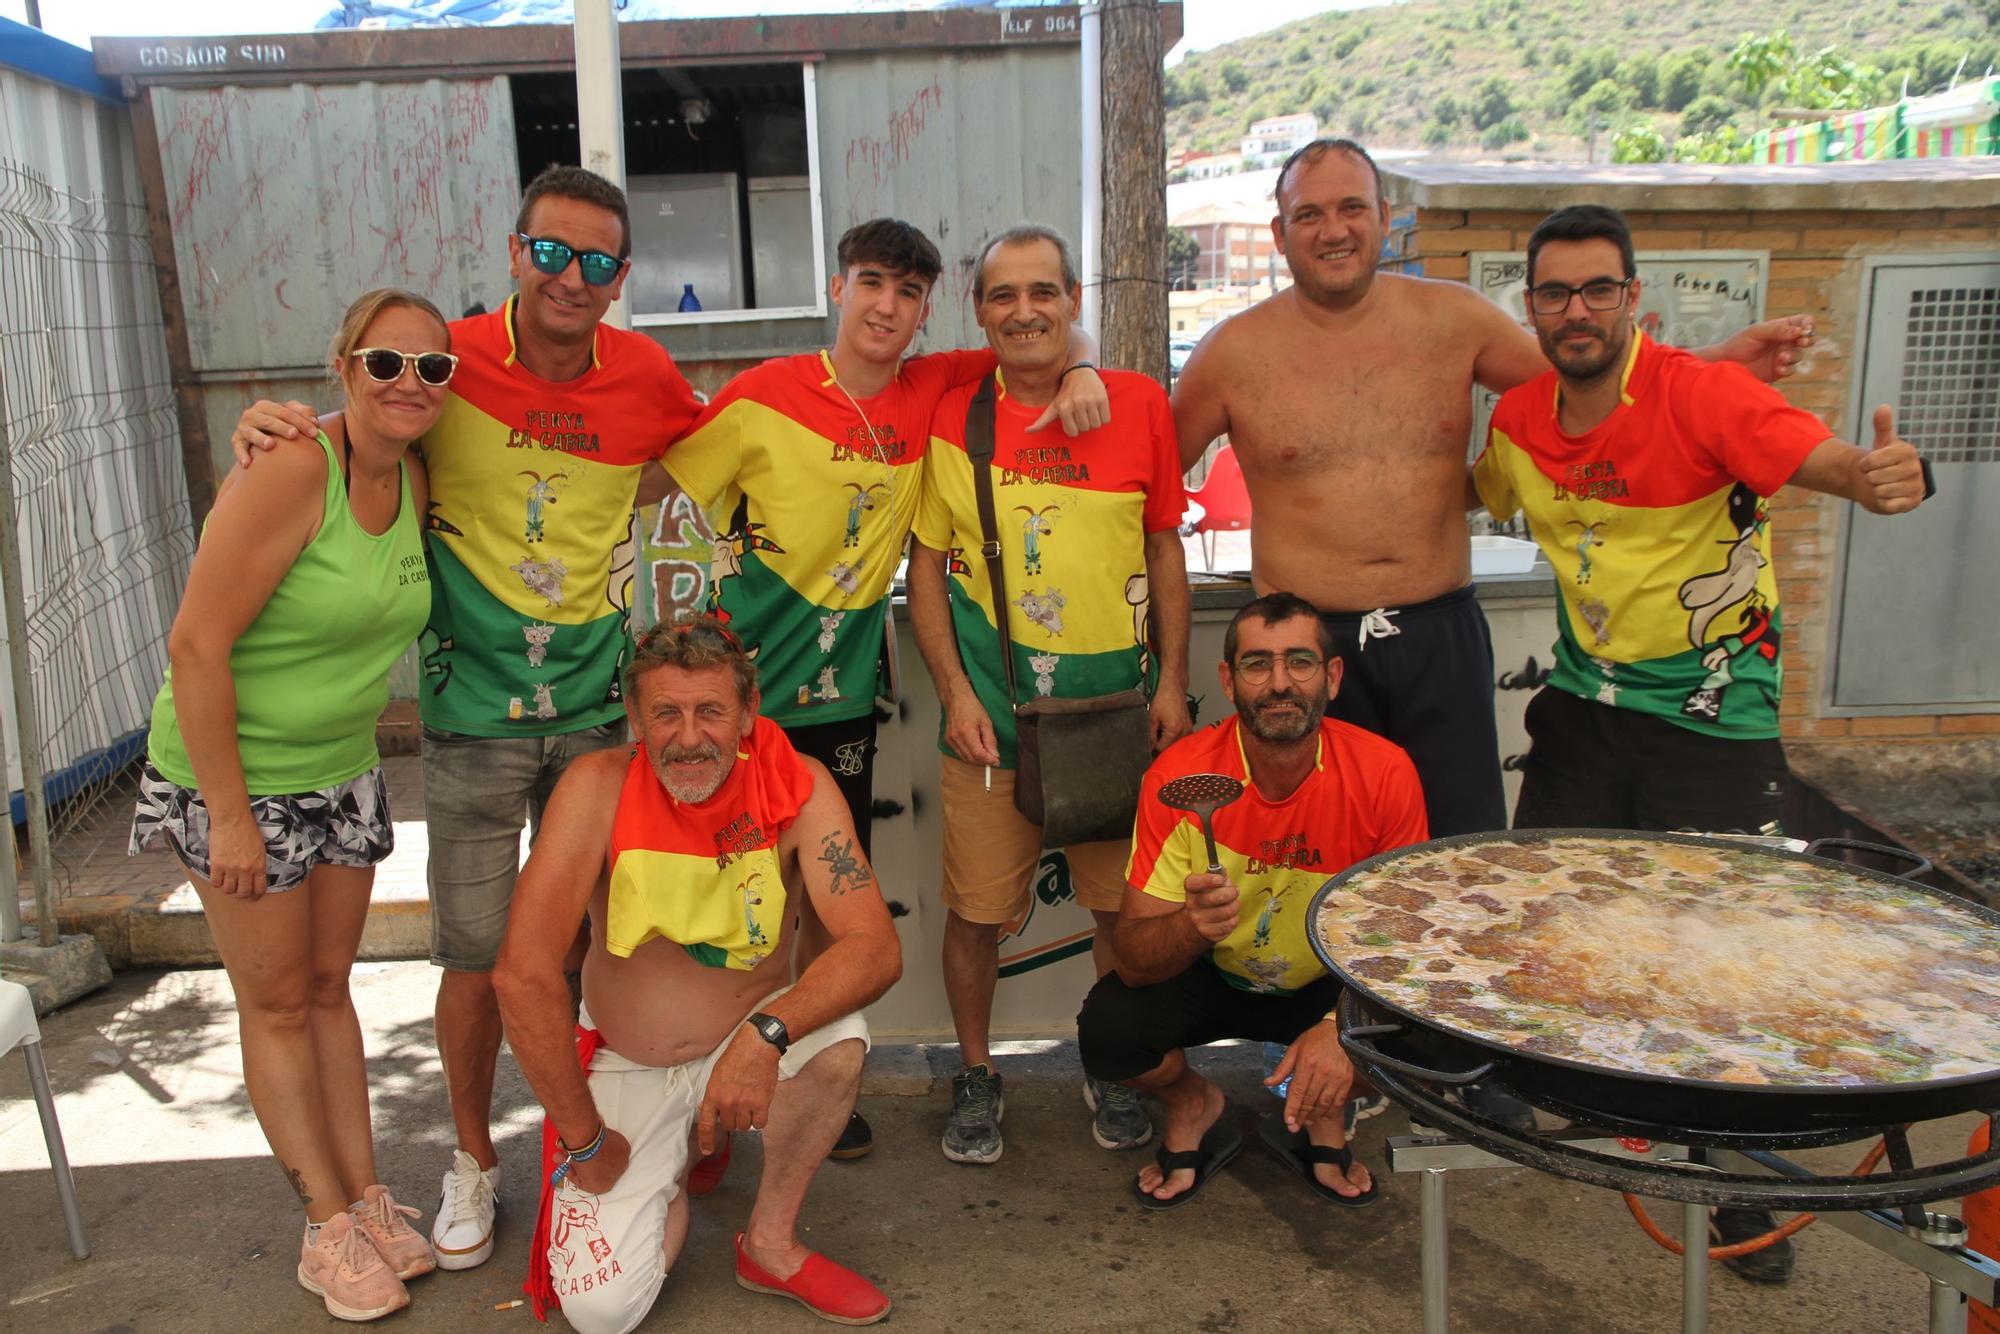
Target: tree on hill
{"points": [[1680, 79], [1492, 102], [1640, 76], [1604, 104], [1183, 258], [1827, 78], [1185, 85], [1707, 112], [1588, 69]]}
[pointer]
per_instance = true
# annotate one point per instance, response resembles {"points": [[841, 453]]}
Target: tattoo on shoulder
{"points": [[844, 868], [298, 1180]]}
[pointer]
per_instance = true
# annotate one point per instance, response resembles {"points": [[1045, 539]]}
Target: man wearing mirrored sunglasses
{"points": [[535, 466], [1645, 474]]}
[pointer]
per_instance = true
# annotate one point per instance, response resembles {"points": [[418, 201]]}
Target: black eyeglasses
{"points": [[1300, 665], [385, 364], [552, 257], [1597, 294]]}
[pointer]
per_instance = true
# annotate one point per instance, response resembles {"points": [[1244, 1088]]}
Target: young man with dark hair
{"points": [[810, 466], [1644, 474], [1203, 957], [535, 466]]}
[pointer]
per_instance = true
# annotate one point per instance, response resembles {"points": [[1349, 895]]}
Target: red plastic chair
{"points": [[1224, 501]]}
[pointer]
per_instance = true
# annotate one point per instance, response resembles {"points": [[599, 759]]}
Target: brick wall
{"points": [[1815, 269]]}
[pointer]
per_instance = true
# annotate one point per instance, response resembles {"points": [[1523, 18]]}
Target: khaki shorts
{"points": [[990, 851], [605, 1252]]}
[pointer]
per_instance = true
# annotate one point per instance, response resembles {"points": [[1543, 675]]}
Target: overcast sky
{"points": [[1208, 22]]}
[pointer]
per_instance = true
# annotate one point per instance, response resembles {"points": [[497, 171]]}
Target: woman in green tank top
{"points": [[263, 776]]}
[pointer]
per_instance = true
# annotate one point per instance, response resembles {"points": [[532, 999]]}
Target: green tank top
{"points": [[312, 671]]}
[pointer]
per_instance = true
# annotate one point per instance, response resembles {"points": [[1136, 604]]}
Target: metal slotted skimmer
{"points": [[1204, 795]]}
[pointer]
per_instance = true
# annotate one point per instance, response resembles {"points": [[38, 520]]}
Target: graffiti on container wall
{"points": [[880, 155], [403, 191]]}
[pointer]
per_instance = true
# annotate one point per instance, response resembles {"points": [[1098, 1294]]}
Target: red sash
{"points": [[540, 1285]]}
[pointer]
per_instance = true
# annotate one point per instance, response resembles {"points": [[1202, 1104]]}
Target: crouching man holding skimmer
{"points": [[1205, 955], [685, 851]]}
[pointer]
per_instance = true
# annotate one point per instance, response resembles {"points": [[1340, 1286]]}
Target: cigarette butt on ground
{"points": [[508, 1306]]}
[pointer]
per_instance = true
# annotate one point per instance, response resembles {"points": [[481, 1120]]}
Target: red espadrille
{"points": [[706, 1174], [829, 1291]]}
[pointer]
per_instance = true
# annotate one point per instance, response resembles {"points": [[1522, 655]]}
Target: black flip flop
{"points": [[1300, 1154], [1218, 1147]]}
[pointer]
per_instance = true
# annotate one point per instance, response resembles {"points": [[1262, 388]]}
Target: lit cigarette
{"points": [[989, 778]]}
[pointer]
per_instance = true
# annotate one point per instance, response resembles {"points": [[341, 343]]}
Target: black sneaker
{"points": [[856, 1140], [1118, 1118], [972, 1134], [1728, 1226]]}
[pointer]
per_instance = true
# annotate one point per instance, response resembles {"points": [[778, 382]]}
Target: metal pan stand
{"points": [[1931, 1243]]}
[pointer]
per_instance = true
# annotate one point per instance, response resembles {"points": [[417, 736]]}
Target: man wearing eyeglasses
{"points": [[1645, 474], [1207, 954], [535, 465]]}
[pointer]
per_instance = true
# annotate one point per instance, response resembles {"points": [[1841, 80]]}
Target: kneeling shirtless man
{"points": [[686, 850]]}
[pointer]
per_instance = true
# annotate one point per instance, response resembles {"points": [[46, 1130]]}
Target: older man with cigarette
{"points": [[1086, 533]]}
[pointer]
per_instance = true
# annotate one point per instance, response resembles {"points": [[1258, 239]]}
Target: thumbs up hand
{"points": [[1892, 476]]}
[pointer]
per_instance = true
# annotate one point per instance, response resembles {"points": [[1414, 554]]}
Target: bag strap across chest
{"points": [[979, 447]]}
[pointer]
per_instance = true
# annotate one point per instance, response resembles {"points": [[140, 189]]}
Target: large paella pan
{"points": [[1672, 978]]}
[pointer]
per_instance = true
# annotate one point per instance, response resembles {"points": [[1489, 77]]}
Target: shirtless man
{"points": [[1348, 400], [684, 850]]}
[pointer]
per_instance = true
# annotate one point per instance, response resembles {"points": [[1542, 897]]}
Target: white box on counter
{"points": [[1502, 555]]}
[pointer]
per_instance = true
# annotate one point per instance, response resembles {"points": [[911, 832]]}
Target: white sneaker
{"points": [[463, 1231]]}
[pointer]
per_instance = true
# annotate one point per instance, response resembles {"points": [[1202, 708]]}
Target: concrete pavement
{"points": [[144, 913], [194, 1230]]}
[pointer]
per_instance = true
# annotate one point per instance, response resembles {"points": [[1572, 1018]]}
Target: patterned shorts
{"points": [[344, 825]]}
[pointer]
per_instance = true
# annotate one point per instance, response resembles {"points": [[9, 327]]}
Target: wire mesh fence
{"points": [[87, 408]]}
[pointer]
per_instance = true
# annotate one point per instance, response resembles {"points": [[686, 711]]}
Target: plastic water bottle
{"points": [[689, 301], [1274, 1053]]}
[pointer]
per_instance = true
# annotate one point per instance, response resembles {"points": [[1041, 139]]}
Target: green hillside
{"points": [[1515, 77]]}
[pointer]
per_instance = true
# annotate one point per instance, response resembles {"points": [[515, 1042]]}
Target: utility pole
{"points": [[600, 108], [1134, 173], [27, 722]]}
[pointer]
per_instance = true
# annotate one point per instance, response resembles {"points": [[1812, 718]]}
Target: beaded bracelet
{"points": [[571, 1157]]}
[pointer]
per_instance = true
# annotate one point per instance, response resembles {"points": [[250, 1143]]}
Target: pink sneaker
{"points": [[403, 1248], [343, 1267]]}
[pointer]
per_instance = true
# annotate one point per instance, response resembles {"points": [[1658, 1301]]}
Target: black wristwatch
{"points": [[772, 1029]]}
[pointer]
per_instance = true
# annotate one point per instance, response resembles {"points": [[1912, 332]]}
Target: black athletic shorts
{"points": [[847, 749], [1124, 1031], [1422, 676], [1592, 766]]}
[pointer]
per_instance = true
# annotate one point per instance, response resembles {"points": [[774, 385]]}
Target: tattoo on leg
{"points": [[298, 1180], [846, 870]]}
